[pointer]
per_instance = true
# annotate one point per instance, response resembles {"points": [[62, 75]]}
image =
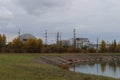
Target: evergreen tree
{"points": [[2, 41], [113, 46]]}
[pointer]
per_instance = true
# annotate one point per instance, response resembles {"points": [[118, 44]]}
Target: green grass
{"points": [[22, 67]]}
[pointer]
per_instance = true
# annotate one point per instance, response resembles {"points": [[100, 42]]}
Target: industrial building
{"points": [[79, 42]]}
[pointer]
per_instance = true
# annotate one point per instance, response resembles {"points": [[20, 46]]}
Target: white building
{"points": [[80, 42]]}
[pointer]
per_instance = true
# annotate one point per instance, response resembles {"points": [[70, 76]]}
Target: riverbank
{"points": [[34, 67], [66, 60]]}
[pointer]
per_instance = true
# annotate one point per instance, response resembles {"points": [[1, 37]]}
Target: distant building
{"points": [[80, 42], [65, 43], [25, 37], [94, 45]]}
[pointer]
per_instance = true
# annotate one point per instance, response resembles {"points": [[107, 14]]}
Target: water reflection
{"points": [[106, 69]]}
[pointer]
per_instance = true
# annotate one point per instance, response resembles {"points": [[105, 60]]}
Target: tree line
{"points": [[37, 46], [18, 46], [111, 47]]}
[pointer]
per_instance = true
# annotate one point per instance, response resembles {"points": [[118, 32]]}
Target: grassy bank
{"points": [[22, 67]]}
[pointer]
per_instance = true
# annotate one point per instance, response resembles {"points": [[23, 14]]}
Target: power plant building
{"points": [[25, 37]]}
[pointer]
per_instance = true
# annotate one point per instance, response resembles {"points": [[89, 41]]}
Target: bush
{"points": [[87, 78], [91, 50], [73, 50]]}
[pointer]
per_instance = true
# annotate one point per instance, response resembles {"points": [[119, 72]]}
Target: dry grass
{"points": [[22, 67]]}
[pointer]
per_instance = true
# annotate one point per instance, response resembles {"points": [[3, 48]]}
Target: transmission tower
{"points": [[46, 37], [19, 32], [58, 35], [97, 44], [74, 37]]}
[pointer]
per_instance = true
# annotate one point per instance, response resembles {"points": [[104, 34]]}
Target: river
{"points": [[105, 69]]}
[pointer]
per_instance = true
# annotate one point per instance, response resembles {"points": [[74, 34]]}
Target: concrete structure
{"points": [[80, 42], [24, 37]]}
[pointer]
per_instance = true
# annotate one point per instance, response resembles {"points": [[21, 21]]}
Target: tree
{"points": [[2, 41], [39, 45], [74, 50], [118, 48], [9, 45], [30, 45], [91, 50], [113, 46], [103, 46], [17, 45]]}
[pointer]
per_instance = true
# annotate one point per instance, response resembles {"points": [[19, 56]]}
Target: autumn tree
{"points": [[17, 44], [103, 46], [74, 50], [54, 49], [91, 50], [61, 49], [39, 45], [30, 45]]}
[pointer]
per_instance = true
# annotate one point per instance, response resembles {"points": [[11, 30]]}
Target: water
{"points": [[104, 69]]}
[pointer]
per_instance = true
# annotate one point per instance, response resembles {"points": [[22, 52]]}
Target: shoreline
{"points": [[68, 60]]}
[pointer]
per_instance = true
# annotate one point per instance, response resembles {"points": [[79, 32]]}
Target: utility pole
{"points": [[46, 37], [74, 37]]}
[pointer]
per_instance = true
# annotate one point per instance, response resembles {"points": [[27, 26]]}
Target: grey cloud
{"points": [[37, 7], [91, 18]]}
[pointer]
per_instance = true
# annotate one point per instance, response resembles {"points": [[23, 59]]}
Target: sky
{"points": [[90, 18]]}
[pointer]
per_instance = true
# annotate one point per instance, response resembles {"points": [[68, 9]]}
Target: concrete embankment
{"points": [[66, 60]]}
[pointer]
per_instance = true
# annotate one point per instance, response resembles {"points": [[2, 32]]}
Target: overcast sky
{"points": [[91, 18]]}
